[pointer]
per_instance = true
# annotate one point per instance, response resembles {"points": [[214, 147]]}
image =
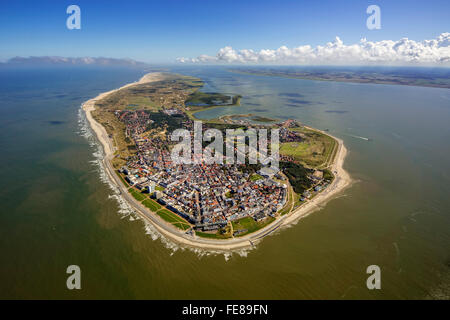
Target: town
{"points": [[218, 198], [208, 196]]}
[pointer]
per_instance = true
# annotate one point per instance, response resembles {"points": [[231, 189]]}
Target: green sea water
{"points": [[57, 210]]}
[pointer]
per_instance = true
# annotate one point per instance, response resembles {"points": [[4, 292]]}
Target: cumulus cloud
{"points": [[385, 52]]}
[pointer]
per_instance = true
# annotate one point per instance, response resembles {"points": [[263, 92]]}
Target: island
{"points": [[211, 206], [420, 77]]}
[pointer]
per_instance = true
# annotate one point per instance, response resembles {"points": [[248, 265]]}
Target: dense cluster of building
{"points": [[208, 196], [136, 122], [289, 135]]}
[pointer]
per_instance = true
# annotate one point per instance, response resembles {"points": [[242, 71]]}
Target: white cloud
{"points": [[385, 52]]}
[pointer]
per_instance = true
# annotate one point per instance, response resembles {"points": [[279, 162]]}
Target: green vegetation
{"points": [[166, 214], [263, 119], [122, 179], [140, 103], [236, 100], [182, 226], [216, 235], [173, 218], [316, 150], [199, 98], [285, 210], [255, 177], [136, 194], [328, 175], [223, 126], [297, 175], [250, 168], [295, 149], [150, 96], [116, 130], [250, 224], [152, 205], [162, 120], [287, 207], [206, 235]]}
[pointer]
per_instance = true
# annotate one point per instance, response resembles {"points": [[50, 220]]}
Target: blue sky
{"points": [[161, 31]]}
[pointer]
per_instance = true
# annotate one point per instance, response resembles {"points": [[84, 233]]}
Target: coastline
{"points": [[344, 80], [341, 181]]}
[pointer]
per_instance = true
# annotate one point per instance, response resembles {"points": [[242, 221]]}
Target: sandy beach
{"points": [[341, 181]]}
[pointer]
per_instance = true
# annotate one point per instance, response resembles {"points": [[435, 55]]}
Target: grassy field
{"points": [[152, 205], [182, 226], [139, 103], [174, 219], [211, 235], [250, 224], [136, 194], [316, 150]]}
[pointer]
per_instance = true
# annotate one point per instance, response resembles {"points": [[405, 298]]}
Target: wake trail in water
{"points": [[358, 137]]}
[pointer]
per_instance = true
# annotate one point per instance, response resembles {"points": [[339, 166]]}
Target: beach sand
{"points": [[341, 181]]}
